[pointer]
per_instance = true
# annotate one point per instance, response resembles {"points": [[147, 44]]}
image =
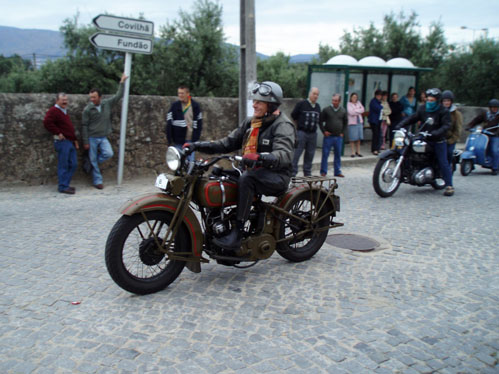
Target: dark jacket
{"points": [[306, 116], [440, 125], [375, 109], [56, 122], [276, 136], [176, 127], [482, 118], [397, 109]]}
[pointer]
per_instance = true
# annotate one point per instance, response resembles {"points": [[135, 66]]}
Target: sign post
{"points": [[134, 36]]}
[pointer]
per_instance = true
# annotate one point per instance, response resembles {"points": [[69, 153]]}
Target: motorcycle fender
{"points": [[161, 201], [467, 155], [387, 154]]}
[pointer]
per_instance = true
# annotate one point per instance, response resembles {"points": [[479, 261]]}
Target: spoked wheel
{"points": [[132, 256], [384, 182], [303, 232], [466, 167]]}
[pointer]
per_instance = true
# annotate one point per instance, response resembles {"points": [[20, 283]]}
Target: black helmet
{"points": [[268, 92], [447, 94], [493, 103], [435, 92]]}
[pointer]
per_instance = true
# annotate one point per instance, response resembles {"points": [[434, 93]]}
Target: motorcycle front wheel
{"points": [[132, 256], [306, 234], [466, 167], [384, 182]]}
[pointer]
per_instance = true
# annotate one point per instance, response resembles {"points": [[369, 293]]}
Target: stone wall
{"points": [[27, 153]]}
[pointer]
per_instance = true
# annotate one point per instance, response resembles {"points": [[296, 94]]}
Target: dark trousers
{"points": [[66, 162], [258, 181], [376, 142], [440, 149]]}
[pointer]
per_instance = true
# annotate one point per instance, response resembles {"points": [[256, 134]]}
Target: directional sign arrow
{"points": [[121, 43], [128, 25]]}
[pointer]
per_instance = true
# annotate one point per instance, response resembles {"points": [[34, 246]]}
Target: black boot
{"points": [[232, 241]]}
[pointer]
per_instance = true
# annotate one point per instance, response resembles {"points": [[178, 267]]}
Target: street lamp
{"points": [[485, 30]]}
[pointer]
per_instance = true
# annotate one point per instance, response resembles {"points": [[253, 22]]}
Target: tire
{"points": [[384, 184], [438, 184], [305, 246], [131, 257], [466, 167]]}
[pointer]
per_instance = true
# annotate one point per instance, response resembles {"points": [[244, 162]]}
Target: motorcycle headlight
{"points": [[399, 138], [173, 158]]}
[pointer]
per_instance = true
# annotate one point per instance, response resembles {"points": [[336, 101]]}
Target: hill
{"points": [[40, 45]]}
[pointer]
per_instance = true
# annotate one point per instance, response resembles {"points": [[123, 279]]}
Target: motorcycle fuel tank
{"points": [[211, 194]]}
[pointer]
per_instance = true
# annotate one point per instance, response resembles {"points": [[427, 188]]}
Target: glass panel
{"points": [[401, 84], [374, 82]]}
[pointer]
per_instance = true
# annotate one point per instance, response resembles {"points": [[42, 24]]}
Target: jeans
{"points": [[66, 162], [376, 141], [494, 151], [450, 153], [100, 151], [440, 149], [306, 141], [335, 142]]}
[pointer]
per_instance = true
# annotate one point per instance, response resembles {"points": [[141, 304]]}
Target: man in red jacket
{"points": [[58, 123]]}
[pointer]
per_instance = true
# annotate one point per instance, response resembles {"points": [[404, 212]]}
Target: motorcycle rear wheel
{"points": [[466, 167], [305, 246], [132, 258], [384, 183]]}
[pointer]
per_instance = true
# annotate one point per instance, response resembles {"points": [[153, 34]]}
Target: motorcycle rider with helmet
{"points": [[267, 143], [437, 132], [490, 118], [456, 124]]}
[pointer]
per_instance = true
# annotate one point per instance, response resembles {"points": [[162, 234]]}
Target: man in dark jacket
{"points": [[374, 119], [267, 143], [396, 116], [437, 132], [184, 120], [58, 123], [306, 115], [490, 119]]}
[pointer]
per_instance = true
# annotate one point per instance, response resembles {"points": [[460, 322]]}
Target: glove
{"points": [[250, 159], [188, 148], [206, 147], [269, 160]]}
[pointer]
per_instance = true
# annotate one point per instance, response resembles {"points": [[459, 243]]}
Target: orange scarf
{"points": [[252, 142]]}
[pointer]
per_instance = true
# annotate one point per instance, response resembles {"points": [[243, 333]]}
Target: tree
{"points": [[291, 77]]}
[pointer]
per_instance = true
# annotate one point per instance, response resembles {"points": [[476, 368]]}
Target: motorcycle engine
{"points": [[423, 176], [218, 226]]}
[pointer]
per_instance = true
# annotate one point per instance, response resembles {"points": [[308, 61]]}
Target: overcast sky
{"points": [[292, 26]]}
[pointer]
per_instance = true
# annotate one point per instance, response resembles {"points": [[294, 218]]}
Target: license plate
{"points": [[161, 181]]}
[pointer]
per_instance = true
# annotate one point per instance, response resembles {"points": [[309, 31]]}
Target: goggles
{"points": [[262, 88]]}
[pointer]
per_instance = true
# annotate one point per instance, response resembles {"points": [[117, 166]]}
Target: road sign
{"points": [[121, 43], [127, 25]]}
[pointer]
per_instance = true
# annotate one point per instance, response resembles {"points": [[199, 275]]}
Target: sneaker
{"points": [[99, 186], [449, 191], [493, 172]]}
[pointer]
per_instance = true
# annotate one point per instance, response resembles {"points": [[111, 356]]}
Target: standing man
{"points": [[184, 120], [306, 115], [374, 120], [96, 126], [333, 123], [58, 123]]}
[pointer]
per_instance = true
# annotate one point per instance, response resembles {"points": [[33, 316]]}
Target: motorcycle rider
{"points": [[491, 119], [267, 142], [437, 132]]}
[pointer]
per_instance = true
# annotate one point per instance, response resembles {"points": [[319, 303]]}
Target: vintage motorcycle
{"points": [[476, 150], [411, 161], [160, 233]]}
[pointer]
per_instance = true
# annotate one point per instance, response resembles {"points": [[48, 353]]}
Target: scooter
{"points": [[476, 150]]}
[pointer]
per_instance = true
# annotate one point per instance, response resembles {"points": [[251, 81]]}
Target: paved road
{"points": [[428, 303]]}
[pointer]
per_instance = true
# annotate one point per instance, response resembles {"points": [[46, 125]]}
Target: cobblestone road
{"points": [[429, 303]]}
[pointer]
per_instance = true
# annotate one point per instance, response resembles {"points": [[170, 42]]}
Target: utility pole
{"points": [[247, 57]]}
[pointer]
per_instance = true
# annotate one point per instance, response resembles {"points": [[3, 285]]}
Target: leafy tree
{"points": [[291, 77], [472, 73]]}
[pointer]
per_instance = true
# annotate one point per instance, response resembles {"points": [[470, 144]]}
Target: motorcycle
{"points": [[475, 152], [411, 161], [160, 233]]}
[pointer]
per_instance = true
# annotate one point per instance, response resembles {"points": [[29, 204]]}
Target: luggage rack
{"points": [[327, 182]]}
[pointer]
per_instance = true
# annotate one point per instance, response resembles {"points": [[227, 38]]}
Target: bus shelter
{"points": [[345, 75]]}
